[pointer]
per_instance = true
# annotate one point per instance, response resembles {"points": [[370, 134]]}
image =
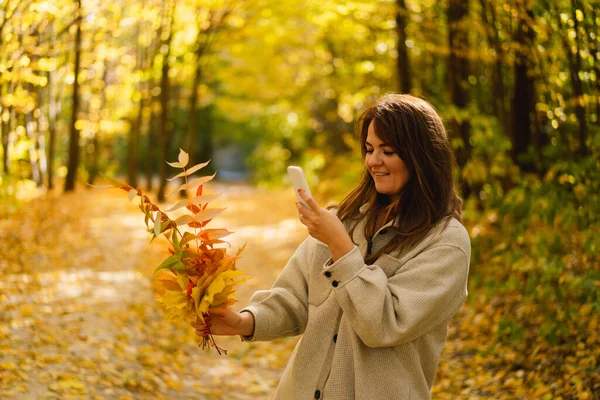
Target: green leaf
{"points": [[175, 239], [164, 225], [171, 260], [157, 225], [178, 266]]}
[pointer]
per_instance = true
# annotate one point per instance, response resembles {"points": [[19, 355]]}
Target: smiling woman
{"points": [[404, 136], [388, 170], [375, 285]]}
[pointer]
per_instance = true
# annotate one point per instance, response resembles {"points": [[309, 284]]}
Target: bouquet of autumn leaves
{"points": [[197, 275]]}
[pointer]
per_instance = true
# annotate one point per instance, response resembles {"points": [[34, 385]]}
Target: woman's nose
{"points": [[373, 159]]}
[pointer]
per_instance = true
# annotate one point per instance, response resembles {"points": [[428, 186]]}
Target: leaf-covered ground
{"points": [[78, 318]]}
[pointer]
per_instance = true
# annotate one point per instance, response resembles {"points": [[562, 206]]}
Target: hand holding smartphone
{"points": [[298, 180]]}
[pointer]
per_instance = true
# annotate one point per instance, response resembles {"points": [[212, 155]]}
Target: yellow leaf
{"points": [[222, 283], [174, 299], [8, 366], [27, 310], [71, 383], [183, 281]]}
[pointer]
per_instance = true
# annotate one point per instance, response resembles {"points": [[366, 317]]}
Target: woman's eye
{"points": [[369, 150], [389, 153]]}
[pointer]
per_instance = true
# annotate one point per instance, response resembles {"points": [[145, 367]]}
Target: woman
{"points": [[374, 287]]}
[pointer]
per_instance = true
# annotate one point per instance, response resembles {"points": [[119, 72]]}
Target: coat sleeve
{"points": [[425, 291], [283, 310]]}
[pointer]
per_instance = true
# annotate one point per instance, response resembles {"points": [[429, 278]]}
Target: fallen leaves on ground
{"points": [[78, 318]]}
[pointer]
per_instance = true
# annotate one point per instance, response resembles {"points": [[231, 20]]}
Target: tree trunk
{"points": [[133, 146], [193, 112], [73, 163], [402, 62], [51, 128], [41, 139], [4, 114], [192, 131], [94, 170], [164, 136], [32, 135], [151, 155], [458, 74], [94, 164], [152, 152], [594, 48], [136, 126], [523, 95], [489, 17], [333, 125], [576, 84]]}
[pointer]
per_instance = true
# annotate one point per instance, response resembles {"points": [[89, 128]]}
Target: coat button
{"points": [[317, 394], [334, 283], [328, 274], [335, 338]]}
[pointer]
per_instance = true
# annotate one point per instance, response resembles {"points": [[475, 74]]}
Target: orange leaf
{"points": [[193, 208], [126, 188]]}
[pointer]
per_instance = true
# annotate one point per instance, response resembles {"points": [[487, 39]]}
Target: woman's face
{"points": [[385, 166]]}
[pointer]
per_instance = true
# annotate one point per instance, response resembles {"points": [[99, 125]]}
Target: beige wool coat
{"points": [[369, 331]]}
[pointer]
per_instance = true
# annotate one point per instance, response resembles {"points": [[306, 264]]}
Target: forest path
{"points": [[77, 313]]}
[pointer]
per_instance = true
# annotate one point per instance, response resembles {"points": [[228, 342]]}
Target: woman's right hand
{"points": [[225, 320]]}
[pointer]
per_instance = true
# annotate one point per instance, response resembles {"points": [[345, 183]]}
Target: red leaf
{"points": [[193, 208], [199, 191]]}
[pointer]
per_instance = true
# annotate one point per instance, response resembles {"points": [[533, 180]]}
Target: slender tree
{"points": [[207, 29], [402, 62], [458, 74], [490, 19], [523, 95], [164, 135], [73, 163], [574, 64]]}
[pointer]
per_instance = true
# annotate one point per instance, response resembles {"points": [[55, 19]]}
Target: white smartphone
{"points": [[299, 182]]}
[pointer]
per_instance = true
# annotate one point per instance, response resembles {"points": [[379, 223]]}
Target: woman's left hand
{"points": [[324, 226]]}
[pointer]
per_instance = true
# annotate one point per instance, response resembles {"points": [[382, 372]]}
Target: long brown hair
{"points": [[412, 127]]}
